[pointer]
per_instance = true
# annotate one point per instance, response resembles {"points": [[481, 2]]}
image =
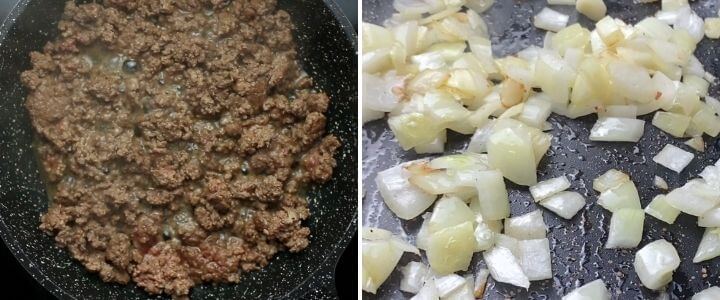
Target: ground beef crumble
{"points": [[176, 138]]}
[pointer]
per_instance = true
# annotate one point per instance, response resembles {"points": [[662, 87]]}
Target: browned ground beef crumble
{"points": [[177, 138]]}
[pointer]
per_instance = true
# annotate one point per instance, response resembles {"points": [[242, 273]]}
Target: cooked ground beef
{"points": [[177, 138]]}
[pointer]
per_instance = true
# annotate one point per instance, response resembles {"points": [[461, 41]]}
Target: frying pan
{"points": [[328, 50], [576, 244]]}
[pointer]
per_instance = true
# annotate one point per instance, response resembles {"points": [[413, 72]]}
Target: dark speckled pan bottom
{"points": [[329, 53]]}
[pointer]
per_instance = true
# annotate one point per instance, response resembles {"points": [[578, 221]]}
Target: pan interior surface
{"points": [[328, 53], [577, 244]]}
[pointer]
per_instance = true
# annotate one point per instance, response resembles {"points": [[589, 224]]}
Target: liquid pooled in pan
{"points": [[176, 138]]}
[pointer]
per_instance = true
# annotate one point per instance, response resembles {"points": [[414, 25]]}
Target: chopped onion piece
{"points": [[609, 31], [448, 212], [626, 227], [594, 290], [710, 219], [423, 235], [709, 245], [481, 277], [713, 103], [620, 111], [593, 9], [691, 23], [695, 197], [706, 121], [504, 267], [510, 150], [711, 175], [655, 264], [376, 37], [631, 81], [573, 36], [402, 198], [436, 146], [526, 227], [382, 93], [672, 5], [710, 293], [464, 292], [535, 111], [712, 28], [696, 143], [610, 179], [660, 209], [622, 196], [654, 28], [660, 183], [550, 19], [617, 129], [448, 284], [414, 275], [672, 123], [547, 188], [507, 242], [478, 142], [371, 115], [535, 259], [381, 251], [427, 292], [414, 129], [565, 204], [673, 158], [450, 249], [492, 201]]}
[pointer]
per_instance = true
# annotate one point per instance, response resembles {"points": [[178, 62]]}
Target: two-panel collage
{"points": [[360, 149]]}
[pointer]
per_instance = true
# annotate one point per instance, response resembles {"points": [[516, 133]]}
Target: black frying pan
{"points": [[577, 244], [328, 51]]}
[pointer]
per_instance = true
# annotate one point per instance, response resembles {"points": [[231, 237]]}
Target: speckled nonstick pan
{"points": [[328, 51], [577, 244]]}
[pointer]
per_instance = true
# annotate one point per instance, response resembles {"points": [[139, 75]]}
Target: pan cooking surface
{"points": [[327, 50], [577, 244]]}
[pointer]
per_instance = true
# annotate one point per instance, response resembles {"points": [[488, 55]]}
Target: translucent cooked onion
{"points": [[481, 277], [660, 183], [565, 204], [448, 212], [660, 209], [593, 9], [427, 292], [535, 259], [448, 284], [414, 276], [695, 197], [594, 290], [550, 19], [709, 247], [710, 293], [547, 188], [526, 227], [617, 130], [504, 267], [655, 264], [492, 201], [381, 252], [451, 249], [610, 179], [626, 227], [402, 198], [673, 158], [711, 218], [672, 123], [696, 143], [511, 151], [622, 196]]}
